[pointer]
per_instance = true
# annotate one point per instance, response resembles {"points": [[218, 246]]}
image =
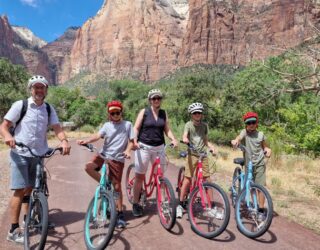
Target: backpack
{"points": [[24, 111]]}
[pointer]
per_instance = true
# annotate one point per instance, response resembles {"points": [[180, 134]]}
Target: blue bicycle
{"points": [[100, 220], [251, 201]]}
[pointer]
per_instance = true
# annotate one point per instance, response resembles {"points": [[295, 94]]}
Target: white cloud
{"points": [[32, 3]]}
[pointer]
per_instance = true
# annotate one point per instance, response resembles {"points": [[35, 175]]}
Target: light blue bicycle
{"points": [[252, 202], [101, 214]]}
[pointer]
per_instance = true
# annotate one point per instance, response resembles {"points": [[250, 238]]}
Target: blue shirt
{"points": [[32, 130]]}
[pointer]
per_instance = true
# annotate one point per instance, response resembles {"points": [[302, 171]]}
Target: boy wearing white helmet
{"points": [[195, 133], [29, 119]]}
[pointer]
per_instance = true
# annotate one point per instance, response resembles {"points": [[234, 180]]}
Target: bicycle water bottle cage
{"points": [[183, 154], [239, 161]]}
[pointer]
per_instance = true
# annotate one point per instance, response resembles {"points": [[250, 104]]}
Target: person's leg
{"points": [[92, 168], [260, 178], [19, 180], [141, 164]]}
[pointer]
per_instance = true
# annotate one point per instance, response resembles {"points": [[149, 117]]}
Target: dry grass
{"points": [[293, 182]]}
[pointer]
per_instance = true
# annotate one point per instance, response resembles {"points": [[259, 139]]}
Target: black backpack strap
{"points": [[48, 111], [22, 113]]}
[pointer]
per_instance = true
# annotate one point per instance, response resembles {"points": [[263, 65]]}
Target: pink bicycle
{"points": [[208, 205], [166, 202]]}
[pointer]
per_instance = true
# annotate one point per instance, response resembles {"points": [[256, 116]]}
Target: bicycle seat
{"points": [[183, 154], [239, 161]]}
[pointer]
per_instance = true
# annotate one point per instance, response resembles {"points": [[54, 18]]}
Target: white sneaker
{"points": [[16, 236], [179, 211], [216, 214]]}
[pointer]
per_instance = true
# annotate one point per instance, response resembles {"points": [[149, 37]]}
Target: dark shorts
{"points": [[115, 167]]}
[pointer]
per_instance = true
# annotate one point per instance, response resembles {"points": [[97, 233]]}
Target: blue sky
{"points": [[48, 19]]}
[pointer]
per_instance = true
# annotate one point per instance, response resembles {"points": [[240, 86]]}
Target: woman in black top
{"points": [[150, 127]]}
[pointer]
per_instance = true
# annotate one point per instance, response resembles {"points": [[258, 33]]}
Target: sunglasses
{"points": [[156, 98], [251, 123], [197, 113], [115, 113]]}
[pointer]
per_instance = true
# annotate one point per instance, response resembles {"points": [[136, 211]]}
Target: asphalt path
{"points": [[71, 189]]}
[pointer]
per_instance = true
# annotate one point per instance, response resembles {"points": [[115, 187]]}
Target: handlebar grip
{"points": [[88, 146], [20, 144]]}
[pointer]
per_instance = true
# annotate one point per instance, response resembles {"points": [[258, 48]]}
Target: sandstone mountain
{"points": [[147, 39]]}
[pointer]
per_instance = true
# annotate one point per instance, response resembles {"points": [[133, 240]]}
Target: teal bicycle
{"points": [[252, 202], [101, 215]]}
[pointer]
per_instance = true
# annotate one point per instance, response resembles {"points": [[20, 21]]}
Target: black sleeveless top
{"points": [[152, 131]]}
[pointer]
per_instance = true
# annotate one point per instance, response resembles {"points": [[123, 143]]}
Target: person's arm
{"points": [[235, 143], [169, 133], [62, 137], [209, 145], [93, 138], [4, 130], [266, 149], [127, 152], [137, 127]]}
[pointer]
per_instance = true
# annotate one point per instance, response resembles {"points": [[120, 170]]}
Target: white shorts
{"points": [[144, 157]]}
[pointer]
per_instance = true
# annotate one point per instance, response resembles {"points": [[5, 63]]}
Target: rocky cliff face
{"points": [[147, 39], [58, 52], [7, 48], [137, 38], [236, 32]]}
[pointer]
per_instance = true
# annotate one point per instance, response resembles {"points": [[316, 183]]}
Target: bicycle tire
{"points": [[36, 223], [236, 185], [107, 225], [247, 217], [211, 221], [166, 205], [180, 180], [130, 176]]}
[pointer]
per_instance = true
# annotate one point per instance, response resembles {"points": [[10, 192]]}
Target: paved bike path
{"points": [[71, 190]]}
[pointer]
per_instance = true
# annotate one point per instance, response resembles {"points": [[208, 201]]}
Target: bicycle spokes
{"points": [[100, 222], [166, 204], [254, 211], [209, 210]]}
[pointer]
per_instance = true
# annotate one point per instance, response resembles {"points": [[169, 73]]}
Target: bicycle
{"points": [[101, 215], [166, 205], [252, 220], [36, 223], [208, 205]]}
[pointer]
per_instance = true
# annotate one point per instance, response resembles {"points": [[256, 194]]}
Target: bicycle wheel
{"points": [[36, 224], [130, 177], [166, 204], [236, 185], [252, 220], [209, 216], [99, 229]]}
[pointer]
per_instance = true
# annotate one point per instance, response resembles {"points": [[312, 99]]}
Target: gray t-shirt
{"points": [[32, 130], [116, 137], [253, 142]]}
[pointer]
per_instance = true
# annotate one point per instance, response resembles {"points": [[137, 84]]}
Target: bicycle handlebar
{"points": [[191, 146], [48, 154]]}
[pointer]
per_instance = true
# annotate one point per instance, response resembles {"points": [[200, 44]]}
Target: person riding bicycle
{"points": [[118, 141], [195, 133], [150, 126], [31, 129], [255, 142]]}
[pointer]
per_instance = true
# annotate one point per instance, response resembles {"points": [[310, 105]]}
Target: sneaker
{"points": [[261, 217], [179, 211], [121, 223], [137, 210], [216, 214], [16, 236]]}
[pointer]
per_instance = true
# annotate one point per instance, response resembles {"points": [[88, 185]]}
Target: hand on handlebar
{"points": [[235, 143], [174, 143]]}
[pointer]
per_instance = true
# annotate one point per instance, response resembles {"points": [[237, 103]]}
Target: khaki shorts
{"points": [[259, 175], [115, 167], [192, 162]]}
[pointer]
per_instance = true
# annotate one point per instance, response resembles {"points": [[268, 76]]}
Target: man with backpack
{"points": [[27, 121]]}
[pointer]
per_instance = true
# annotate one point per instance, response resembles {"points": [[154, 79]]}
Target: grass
{"points": [[293, 184]]}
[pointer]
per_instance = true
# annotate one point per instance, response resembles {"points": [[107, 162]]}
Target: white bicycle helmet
{"points": [[195, 107], [37, 79], [154, 92]]}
